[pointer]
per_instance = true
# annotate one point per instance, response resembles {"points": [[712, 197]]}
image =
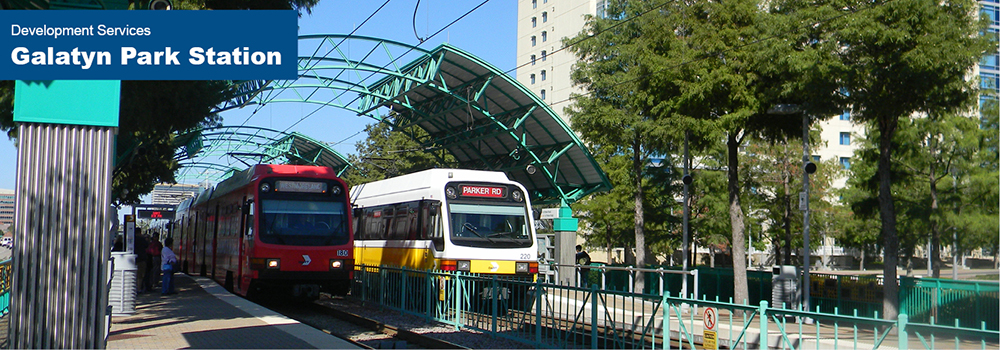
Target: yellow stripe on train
{"points": [[492, 266]]}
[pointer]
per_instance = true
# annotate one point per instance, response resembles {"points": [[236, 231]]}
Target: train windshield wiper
{"points": [[471, 228]]}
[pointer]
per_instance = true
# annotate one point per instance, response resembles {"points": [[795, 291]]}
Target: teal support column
{"points": [[59, 295], [565, 227]]}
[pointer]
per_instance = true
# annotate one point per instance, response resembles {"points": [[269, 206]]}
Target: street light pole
{"points": [[687, 213], [805, 208]]}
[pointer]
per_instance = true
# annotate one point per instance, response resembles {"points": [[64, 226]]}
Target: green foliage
{"points": [[387, 153], [609, 217]]}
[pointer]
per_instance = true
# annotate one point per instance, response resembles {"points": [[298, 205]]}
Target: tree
{"points": [[609, 215], [903, 57], [617, 113], [388, 153]]}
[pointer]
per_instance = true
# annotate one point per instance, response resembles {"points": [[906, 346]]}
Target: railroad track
{"points": [[361, 331]]}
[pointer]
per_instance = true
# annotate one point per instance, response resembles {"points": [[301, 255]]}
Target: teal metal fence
{"points": [[951, 302], [926, 300], [6, 279], [557, 316]]}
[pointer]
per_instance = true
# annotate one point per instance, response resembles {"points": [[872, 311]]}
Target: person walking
{"points": [[169, 265], [583, 259]]}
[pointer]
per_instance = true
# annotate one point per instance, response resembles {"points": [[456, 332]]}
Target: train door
{"points": [[246, 244], [215, 241], [240, 252]]}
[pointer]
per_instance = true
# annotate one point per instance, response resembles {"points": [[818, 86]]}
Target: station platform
{"points": [[203, 315]]}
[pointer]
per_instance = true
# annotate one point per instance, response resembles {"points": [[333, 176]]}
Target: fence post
{"points": [[762, 312], [901, 324], [538, 310], [458, 301], [432, 297], [593, 316], [666, 320]]}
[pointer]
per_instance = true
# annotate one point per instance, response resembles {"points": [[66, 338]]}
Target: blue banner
{"points": [[148, 45]]}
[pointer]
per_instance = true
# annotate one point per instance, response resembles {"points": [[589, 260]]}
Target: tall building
{"points": [[173, 194], [6, 208]]}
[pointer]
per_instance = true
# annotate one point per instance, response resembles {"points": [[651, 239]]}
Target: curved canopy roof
{"points": [[476, 112], [249, 145]]}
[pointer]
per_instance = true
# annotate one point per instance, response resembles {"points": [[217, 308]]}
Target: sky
{"points": [[489, 33]]}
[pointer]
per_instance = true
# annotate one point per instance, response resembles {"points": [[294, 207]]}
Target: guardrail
{"points": [[559, 316]]}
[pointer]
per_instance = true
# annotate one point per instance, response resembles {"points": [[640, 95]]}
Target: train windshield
{"points": [[303, 223], [494, 226]]}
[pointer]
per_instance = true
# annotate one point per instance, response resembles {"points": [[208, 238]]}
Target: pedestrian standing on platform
{"points": [[141, 260], [583, 259], [169, 265], [153, 266]]}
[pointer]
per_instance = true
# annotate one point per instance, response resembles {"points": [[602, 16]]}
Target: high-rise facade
{"points": [[173, 194], [6, 208]]}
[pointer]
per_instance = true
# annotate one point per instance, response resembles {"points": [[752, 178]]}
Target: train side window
{"points": [[434, 226]]}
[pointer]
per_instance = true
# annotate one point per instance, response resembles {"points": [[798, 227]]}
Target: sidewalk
{"points": [[203, 315]]}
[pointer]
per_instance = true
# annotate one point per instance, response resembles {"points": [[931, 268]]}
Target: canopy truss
{"points": [[201, 153], [471, 109]]}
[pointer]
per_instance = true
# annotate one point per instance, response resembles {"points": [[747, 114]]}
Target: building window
{"points": [[544, 55], [533, 41], [545, 36], [545, 17], [845, 163], [543, 75], [533, 78], [845, 138], [534, 4], [532, 60], [534, 22], [543, 94], [846, 115]]}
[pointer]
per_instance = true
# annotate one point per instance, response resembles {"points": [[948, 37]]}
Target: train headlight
{"points": [[336, 264], [521, 267], [335, 190], [464, 265], [517, 196], [273, 264], [264, 187], [450, 192]]}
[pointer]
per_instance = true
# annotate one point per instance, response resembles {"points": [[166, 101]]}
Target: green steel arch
{"points": [[479, 114], [199, 151]]}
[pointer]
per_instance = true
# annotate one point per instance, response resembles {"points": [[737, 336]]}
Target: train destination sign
{"points": [[155, 214], [483, 191], [300, 186]]}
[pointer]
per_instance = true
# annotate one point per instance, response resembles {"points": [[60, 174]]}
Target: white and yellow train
{"points": [[446, 219]]}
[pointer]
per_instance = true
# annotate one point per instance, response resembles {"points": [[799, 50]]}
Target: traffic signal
{"points": [[810, 167], [687, 179]]}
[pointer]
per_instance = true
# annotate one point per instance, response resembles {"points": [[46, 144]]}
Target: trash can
{"points": [[785, 291], [121, 295]]}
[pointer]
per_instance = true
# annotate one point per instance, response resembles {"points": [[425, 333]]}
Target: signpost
{"points": [[709, 338]]}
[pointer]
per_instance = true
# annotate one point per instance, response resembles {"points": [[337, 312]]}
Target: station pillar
{"points": [[59, 295], [565, 227]]}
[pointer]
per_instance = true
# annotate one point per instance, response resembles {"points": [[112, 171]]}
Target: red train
{"points": [[279, 228]]}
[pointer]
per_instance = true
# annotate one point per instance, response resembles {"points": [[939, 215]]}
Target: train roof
{"points": [[428, 180]]}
